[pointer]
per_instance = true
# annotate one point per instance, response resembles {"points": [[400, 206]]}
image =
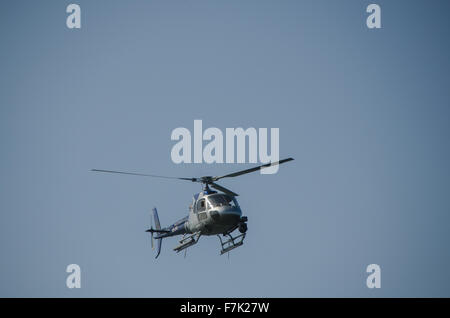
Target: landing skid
{"points": [[187, 241], [232, 243]]}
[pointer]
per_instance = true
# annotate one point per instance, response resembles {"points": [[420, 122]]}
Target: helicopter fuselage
{"points": [[211, 213]]}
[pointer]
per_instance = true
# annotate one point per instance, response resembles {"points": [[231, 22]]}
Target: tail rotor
{"points": [[151, 231], [158, 230]]}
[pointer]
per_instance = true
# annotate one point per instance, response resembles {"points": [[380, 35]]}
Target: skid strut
{"points": [[232, 243], [187, 241]]}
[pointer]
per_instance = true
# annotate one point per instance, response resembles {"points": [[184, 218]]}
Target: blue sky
{"points": [[365, 113]]}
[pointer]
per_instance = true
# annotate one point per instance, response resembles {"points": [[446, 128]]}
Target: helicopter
{"points": [[211, 213]]}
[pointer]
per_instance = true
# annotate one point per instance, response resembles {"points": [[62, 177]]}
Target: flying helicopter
{"points": [[211, 213]]}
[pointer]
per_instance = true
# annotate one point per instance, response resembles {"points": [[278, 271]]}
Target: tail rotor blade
{"points": [[159, 248], [151, 227]]}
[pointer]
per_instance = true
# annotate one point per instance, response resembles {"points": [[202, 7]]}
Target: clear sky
{"points": [[365, 113]]}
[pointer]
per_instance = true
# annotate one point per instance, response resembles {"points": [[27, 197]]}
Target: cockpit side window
{"points": [[201, 205]]}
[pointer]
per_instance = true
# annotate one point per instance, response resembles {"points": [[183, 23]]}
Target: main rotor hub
{"points": [[206, 189], [206, 180]]}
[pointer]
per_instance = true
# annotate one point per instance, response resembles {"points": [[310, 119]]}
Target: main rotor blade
{"points": [[144, 175], [225, 190], [238, 173]]}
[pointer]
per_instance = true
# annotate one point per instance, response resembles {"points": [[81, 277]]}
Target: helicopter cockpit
{"points": [[211, 201]]}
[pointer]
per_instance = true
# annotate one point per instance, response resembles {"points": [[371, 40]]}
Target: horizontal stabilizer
{"points": [[157, 231]]}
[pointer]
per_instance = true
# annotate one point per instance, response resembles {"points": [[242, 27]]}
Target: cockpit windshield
{"points": [[221, 200]]}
